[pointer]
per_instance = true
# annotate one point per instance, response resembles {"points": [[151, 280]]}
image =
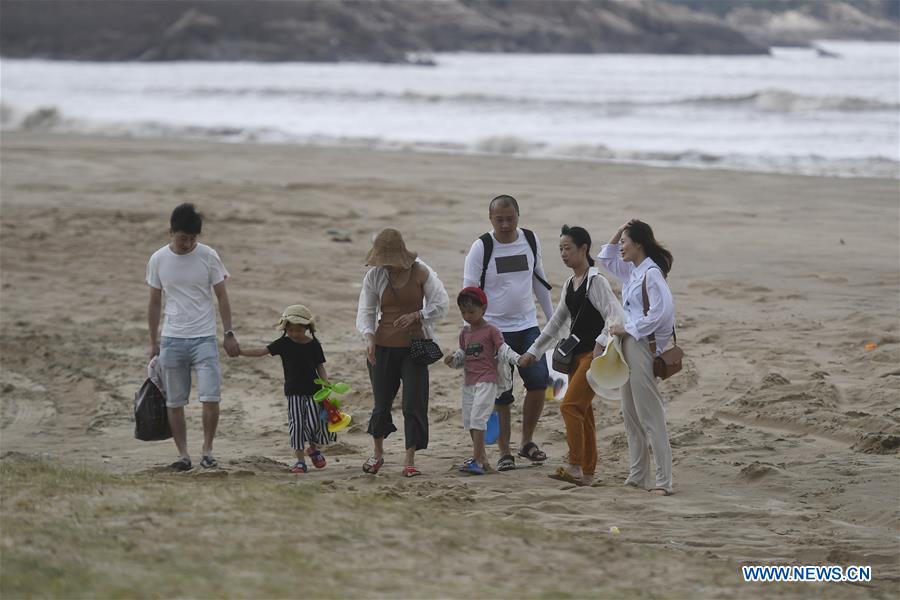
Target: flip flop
{"points": [[562, 474], [664, 491], [532, 452], [372, 465]]}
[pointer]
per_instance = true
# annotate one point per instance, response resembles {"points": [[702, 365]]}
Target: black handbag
{"points": [[151, 419], [424, 352], [563, 362]]}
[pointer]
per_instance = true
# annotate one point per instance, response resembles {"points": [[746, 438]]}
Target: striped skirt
{"points": [[305, 425]]}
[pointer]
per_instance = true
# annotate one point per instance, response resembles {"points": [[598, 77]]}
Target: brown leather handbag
{"points": [[669, 361]]}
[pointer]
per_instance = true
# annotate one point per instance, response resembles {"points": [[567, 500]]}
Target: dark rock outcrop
{"points": [[332, 30], [802, 22]]}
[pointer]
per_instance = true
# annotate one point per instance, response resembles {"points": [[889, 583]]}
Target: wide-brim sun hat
{"points": [[609, 371], [389, 250], [296, 314]]}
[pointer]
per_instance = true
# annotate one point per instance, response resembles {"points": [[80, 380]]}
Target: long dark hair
{"points": [[641, 233], [581, 237]]}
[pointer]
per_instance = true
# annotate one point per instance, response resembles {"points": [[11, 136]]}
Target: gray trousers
{"points": [[645, 418]]}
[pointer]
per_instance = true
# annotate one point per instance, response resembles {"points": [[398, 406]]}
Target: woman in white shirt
{"points": [[587, 309], [401, 300], [634, 256]]}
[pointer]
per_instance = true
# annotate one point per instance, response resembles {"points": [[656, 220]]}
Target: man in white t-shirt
{"points": [[188, 273], [511, 277]]}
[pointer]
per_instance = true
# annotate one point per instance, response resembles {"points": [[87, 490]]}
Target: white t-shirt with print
{"points": [[186, 281], [508, 283]]}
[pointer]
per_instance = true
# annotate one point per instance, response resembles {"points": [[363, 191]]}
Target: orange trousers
{"points": [[578, 415]]}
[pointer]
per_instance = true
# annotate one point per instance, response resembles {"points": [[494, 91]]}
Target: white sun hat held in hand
{"points": [[609, 371]]}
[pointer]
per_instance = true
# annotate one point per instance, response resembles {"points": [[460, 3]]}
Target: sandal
{"points": [[208, 462], [372, 465], [299, 467], [472, 467], [506, 463], [410, 471], [318, 459], [532, 452], [562, 474], [664, 491]]}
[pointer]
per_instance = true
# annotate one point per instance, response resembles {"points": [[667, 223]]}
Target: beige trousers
{"points": [[645, 418]]}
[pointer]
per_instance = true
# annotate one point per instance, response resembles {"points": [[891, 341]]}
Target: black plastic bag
{"points": [[151, 420]]}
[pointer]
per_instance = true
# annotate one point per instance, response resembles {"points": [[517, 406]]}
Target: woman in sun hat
{"points": [[401, 300]]}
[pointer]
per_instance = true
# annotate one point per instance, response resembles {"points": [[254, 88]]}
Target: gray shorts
{"points": [[177, 356]]}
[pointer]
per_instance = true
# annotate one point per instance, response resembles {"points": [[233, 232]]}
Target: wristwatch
{"points": [[229, 333]]}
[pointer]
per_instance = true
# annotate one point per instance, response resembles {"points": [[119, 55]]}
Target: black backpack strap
{"points": [[488, 242], [532, 241]]}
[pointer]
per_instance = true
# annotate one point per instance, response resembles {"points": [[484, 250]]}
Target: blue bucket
{"points": [[492, 432]]}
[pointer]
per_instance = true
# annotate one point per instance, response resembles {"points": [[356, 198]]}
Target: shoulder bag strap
{"points": [[646, 298]]}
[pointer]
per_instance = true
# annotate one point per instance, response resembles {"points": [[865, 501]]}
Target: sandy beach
{"points": [[785, 423]]}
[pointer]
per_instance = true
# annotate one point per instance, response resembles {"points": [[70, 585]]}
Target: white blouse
{"points": [[660, 319], [601, 296], [435, 305]]}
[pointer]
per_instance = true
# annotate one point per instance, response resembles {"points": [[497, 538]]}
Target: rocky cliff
{"points": [[378, 30], [392, 30]]}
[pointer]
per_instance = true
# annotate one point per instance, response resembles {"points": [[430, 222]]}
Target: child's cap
{"points": [[296, 314], [475, 293]]}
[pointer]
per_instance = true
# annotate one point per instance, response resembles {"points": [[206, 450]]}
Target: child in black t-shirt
{"points": [[303, 361]]}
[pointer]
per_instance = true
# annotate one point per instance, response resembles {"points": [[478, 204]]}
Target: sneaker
{"points": [[208, 462], [182, 464], [299, 467]]}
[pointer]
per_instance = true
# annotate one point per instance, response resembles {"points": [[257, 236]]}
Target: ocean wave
{"points": [[50, 118], [768, 100], [775, 100]]}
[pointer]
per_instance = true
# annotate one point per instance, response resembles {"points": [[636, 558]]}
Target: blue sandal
{"points": [[472, 467]]}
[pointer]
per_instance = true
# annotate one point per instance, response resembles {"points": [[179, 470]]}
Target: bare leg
{"points": [[179, 430], [379, 447], [298, 454], [410, 457], [576, 472], [531, 413], [478, 453], [210, 423], [505, 422]]}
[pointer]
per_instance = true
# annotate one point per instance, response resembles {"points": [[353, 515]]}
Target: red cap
{"points": [[476, 292]]}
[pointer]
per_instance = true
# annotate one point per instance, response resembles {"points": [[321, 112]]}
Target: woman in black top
{"points": [[586, 309], [303, 361]]}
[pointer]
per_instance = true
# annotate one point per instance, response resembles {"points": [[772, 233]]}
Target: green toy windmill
{"points": [[331, 404]]}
